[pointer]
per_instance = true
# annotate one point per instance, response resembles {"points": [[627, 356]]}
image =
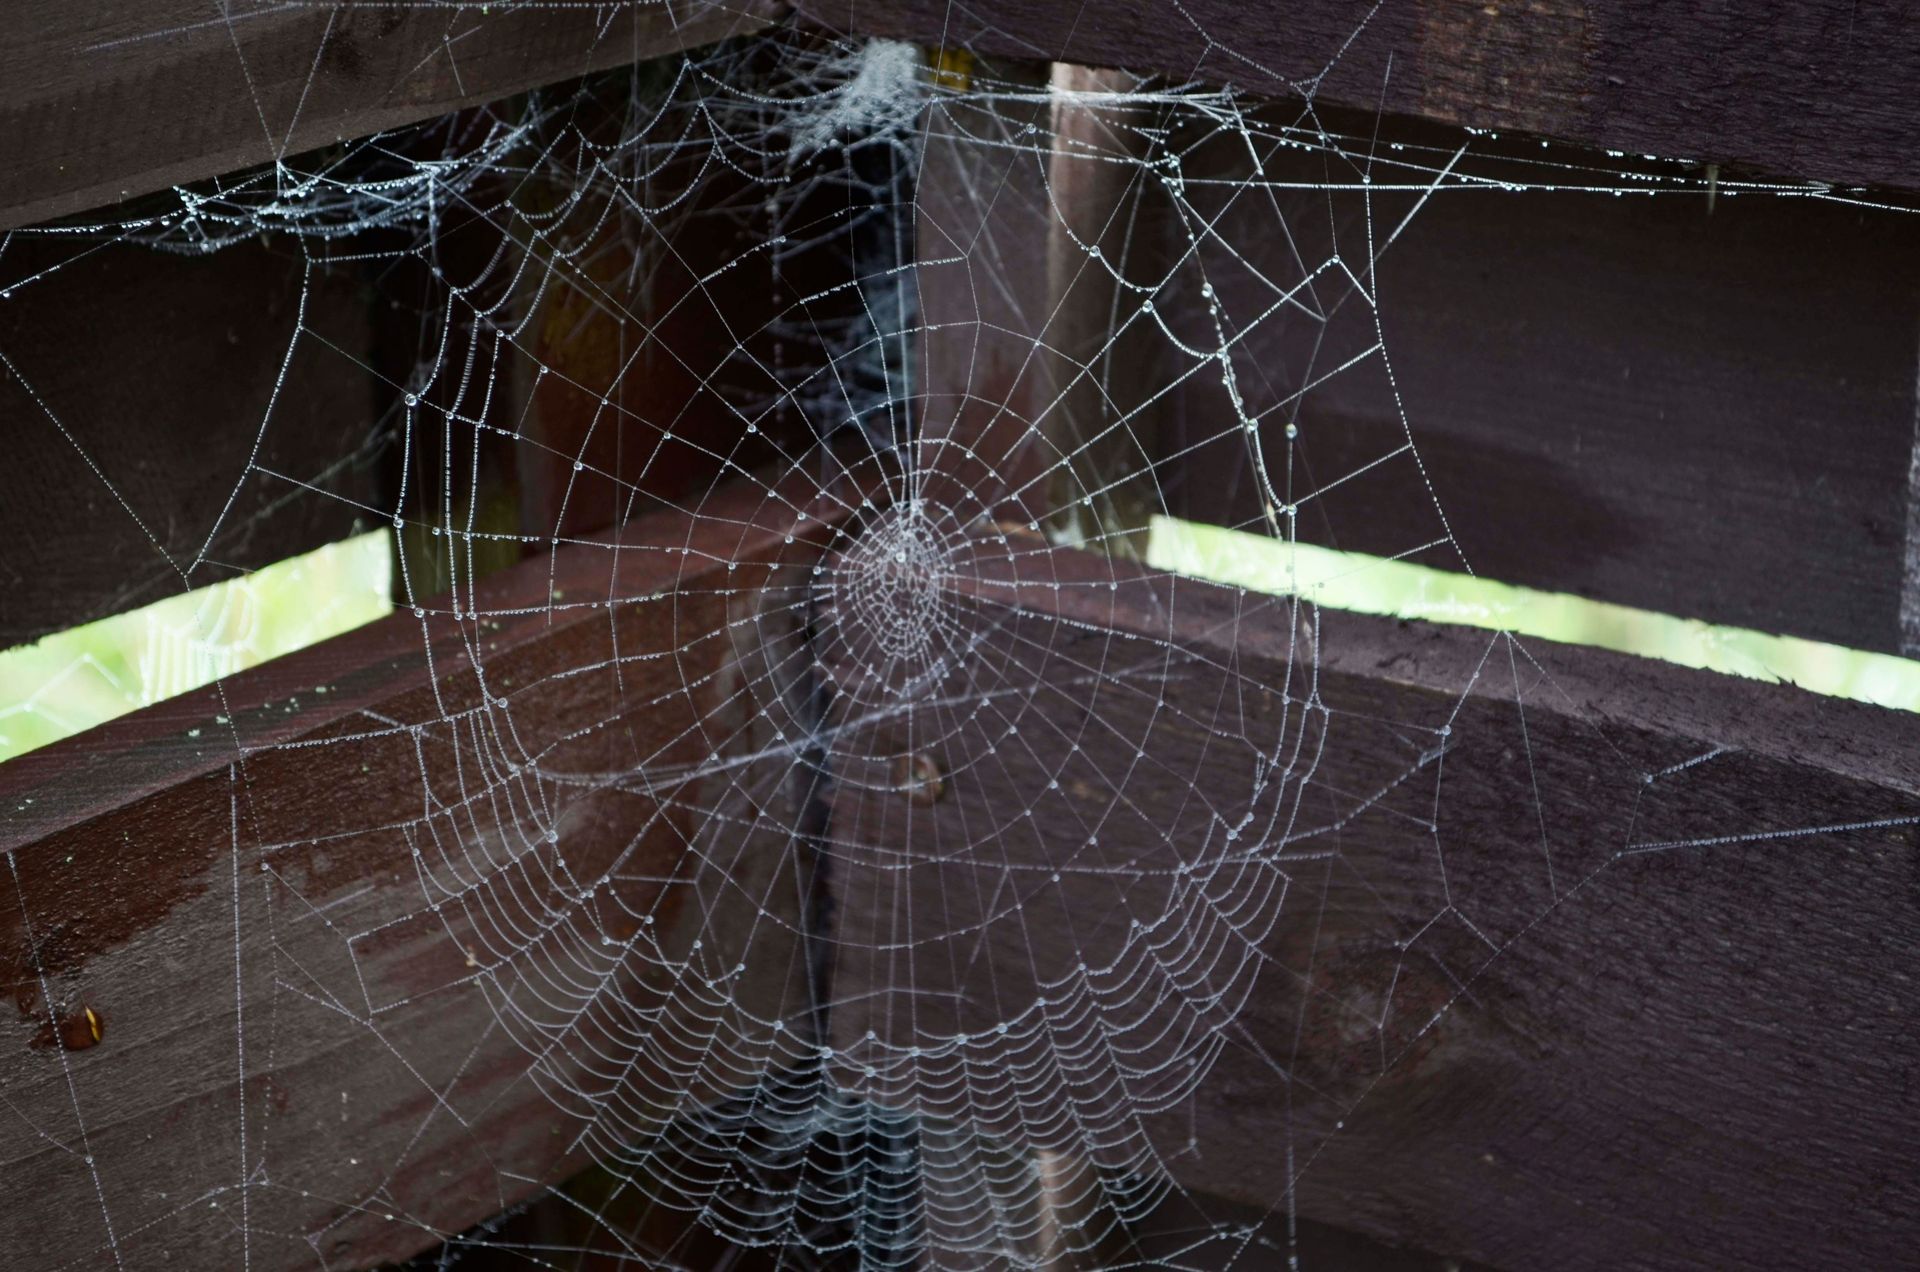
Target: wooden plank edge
{"points": [[106, 173], [1631, 76]]}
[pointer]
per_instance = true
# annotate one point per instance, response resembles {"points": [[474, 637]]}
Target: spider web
{"points": [[983, 835]]}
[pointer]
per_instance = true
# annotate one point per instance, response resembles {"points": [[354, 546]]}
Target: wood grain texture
{"points": [[105, 101], [1034, 231], [1106, 251], [1584, 961], [174, 421], [1820, 90], [1702, 409], [1910, 575], [287, 900], [982, 378]]}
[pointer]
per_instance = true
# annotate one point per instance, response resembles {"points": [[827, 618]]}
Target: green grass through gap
{"points": [[87, 675], [1401, 589]]}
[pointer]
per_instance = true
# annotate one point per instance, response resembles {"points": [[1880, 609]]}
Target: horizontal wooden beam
{"points": [[1671, 403], [101, 102], [288, 955], [1528, 954], [1696, 407], [1817, 90], [104, 102], [175, 422]]}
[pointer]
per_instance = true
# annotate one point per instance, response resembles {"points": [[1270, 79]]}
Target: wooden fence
{"points": [[1710, 1061]]}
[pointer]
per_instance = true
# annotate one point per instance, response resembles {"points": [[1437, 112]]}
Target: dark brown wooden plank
{"points": [[1816, 89], [288, 901], [1910, 576], [1038, 233], [105, 101], [983, 379], [1106, 254], [1695, 407], [174, 421], [1670, 402], [1534, 955]]}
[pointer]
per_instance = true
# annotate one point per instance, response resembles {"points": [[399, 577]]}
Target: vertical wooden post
{"points": [[1034, 245], [1101, 338], [1039, 343], [982, 278], [1910, 578]]}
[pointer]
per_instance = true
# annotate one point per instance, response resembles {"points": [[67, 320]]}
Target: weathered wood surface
{"points": [[101, 101], [1582, 962], [173, 421], [1697, 407], [107, 101], [1820, 89], [982, 383], [1037, 234], [286, 899], [1910, 574], [1675, 402], [1107, 251]]}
